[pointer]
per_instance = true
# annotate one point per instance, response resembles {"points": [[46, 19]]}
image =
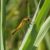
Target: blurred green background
{"points": [[15, 17]]}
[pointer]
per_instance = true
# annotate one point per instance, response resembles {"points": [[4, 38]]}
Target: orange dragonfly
{"points": [[22, 23]]}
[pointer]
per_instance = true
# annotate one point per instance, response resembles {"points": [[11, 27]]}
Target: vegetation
{"points": [[26, 25]]}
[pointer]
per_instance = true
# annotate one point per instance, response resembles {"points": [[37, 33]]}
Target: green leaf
{"points": [[42, 13], [42, 32], [28, 38], [30, 35]]}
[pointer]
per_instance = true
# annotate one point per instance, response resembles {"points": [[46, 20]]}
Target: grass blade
{"points": [[42, 32], [30, 28]]}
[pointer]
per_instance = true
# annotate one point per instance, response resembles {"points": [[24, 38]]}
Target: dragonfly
{"points": [[21, 25]]}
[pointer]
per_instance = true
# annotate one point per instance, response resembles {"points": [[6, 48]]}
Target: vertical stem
{"points": [[1, 29], [28, 10], [3, 15]]}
